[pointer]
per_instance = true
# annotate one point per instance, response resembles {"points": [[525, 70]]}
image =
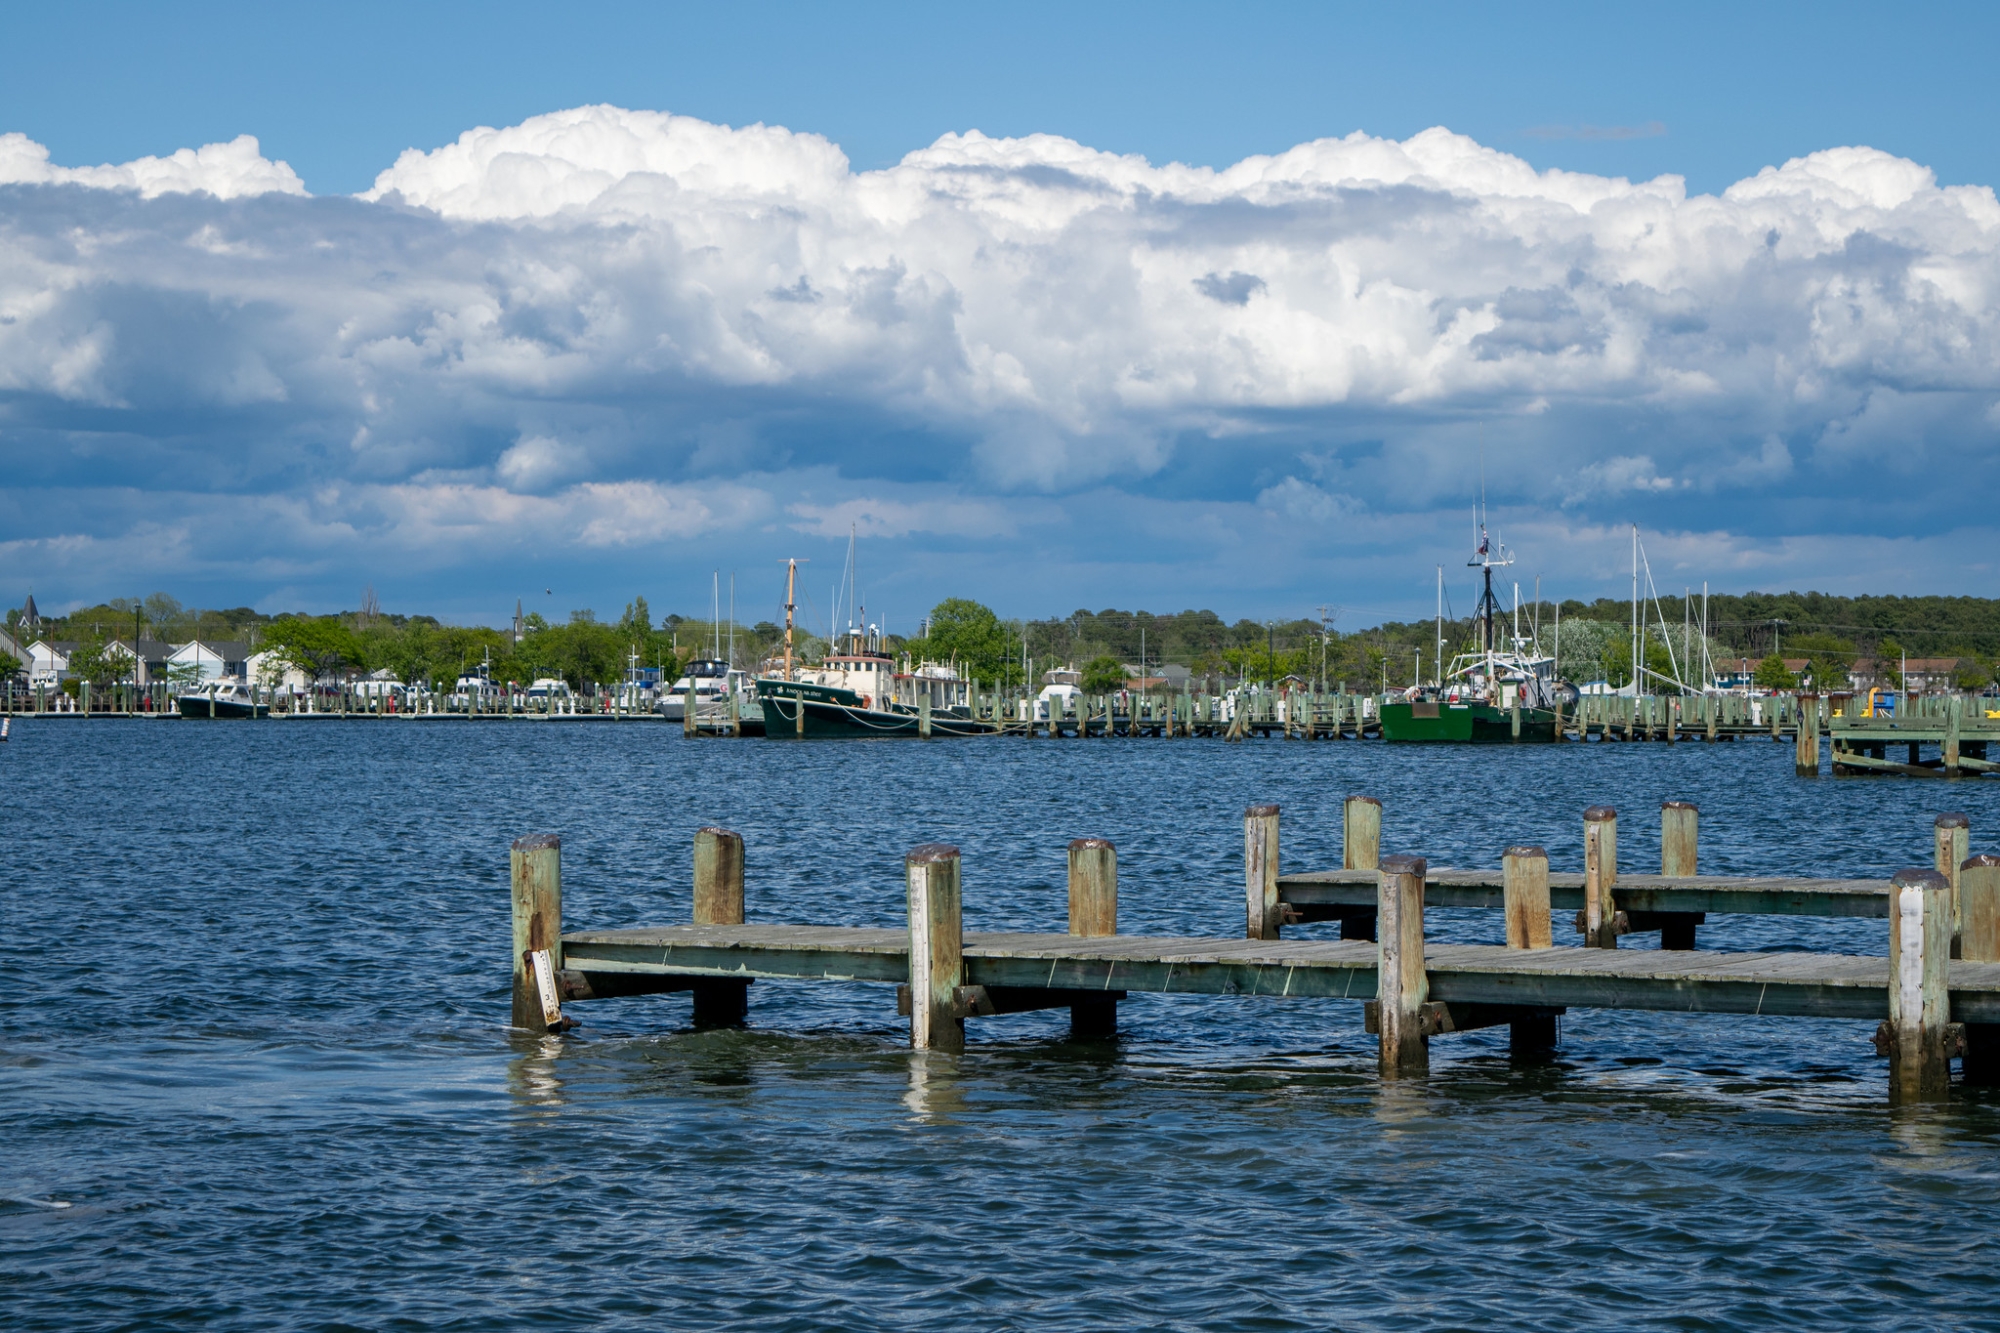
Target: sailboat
{"points": [[1494, 695], [857, 690]]}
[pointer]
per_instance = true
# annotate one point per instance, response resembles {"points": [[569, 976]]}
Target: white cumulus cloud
{"points": [[609, 315]]}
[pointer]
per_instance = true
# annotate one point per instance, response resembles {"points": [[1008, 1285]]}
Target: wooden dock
{"points": [[1959, 728], [1935, 997]]}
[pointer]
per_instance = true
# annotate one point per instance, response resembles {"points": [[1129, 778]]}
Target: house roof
{"points": [[229, 650]]}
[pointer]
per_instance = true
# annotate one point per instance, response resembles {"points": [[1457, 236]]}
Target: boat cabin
{"points": [[871, 675]]}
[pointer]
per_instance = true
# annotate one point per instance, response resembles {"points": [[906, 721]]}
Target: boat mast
{"points": [[791, 585], [1635, 610], [1439, 663]]}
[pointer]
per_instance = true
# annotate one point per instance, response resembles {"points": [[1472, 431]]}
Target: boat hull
{"points": [[1465, 724], [831, 713], [195, 706]]}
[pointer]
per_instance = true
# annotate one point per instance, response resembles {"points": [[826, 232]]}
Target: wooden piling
{"points": [[535, 874], [1979, 942], [1919, 1005], [1525, 895], [1600, 877], [718, 901], [1525, 889], [1260, 872], [1951, 834], [1680, 829], [1361, 849], [1805, 755], [1093, 913], [924, 711], [937, 960], [1954, 719], [1401, 984]]}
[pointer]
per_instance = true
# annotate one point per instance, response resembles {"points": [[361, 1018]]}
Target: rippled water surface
{"points": [[255, 1070]]}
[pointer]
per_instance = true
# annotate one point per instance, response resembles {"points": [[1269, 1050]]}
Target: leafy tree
{"points": [[1771, 674], [320, 646], [1829, 658], [1103, 675], [969, 634], [1971, 675]]}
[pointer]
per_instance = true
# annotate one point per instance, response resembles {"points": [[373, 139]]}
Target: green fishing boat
{"points": [[1492, 696], [1471, 722]]}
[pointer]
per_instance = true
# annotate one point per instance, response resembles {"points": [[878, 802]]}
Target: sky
{"points": [[1054, 307]]}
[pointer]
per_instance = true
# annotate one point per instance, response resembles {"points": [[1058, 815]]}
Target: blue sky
{"points": [[608, 355]]}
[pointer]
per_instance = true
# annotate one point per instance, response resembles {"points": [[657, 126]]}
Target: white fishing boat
{"points": [[227, 697]]}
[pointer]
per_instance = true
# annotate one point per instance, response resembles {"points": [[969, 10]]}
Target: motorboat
{"points": [[227, 697]]}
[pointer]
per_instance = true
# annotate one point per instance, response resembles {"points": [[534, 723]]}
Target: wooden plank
{"points": [[1750, 895], [1822, 985]]}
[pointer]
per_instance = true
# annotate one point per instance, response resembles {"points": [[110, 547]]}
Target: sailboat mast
{"points": [[1439, 662], [1635, 609]]}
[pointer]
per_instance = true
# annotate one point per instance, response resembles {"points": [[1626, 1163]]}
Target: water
{"points": [[256, 1071]]}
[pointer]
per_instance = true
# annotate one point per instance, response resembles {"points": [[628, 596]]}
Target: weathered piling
{"points": [[937, 954], [1919, 1005], [1093, 914], [1680, 833], [1525, 886], [924, 714], [1361, 833], [1805, 757], [1979, 942], [1360, 849], [1401, 985], [1260, 872], [535, 875], [1600, 921], [718, 901], [1951, 835]]}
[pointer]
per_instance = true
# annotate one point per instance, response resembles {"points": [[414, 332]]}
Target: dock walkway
{"points": [[1781, 984], [1935, 995]]}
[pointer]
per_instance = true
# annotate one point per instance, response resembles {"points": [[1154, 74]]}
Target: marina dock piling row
{"points": [[937, 953], [535, 877], [718, 901], [1919, 1004], [1260, 872]]}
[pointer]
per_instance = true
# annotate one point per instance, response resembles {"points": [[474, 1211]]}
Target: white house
{"points": [[214, 660], [48, 662], [272, 670]]}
